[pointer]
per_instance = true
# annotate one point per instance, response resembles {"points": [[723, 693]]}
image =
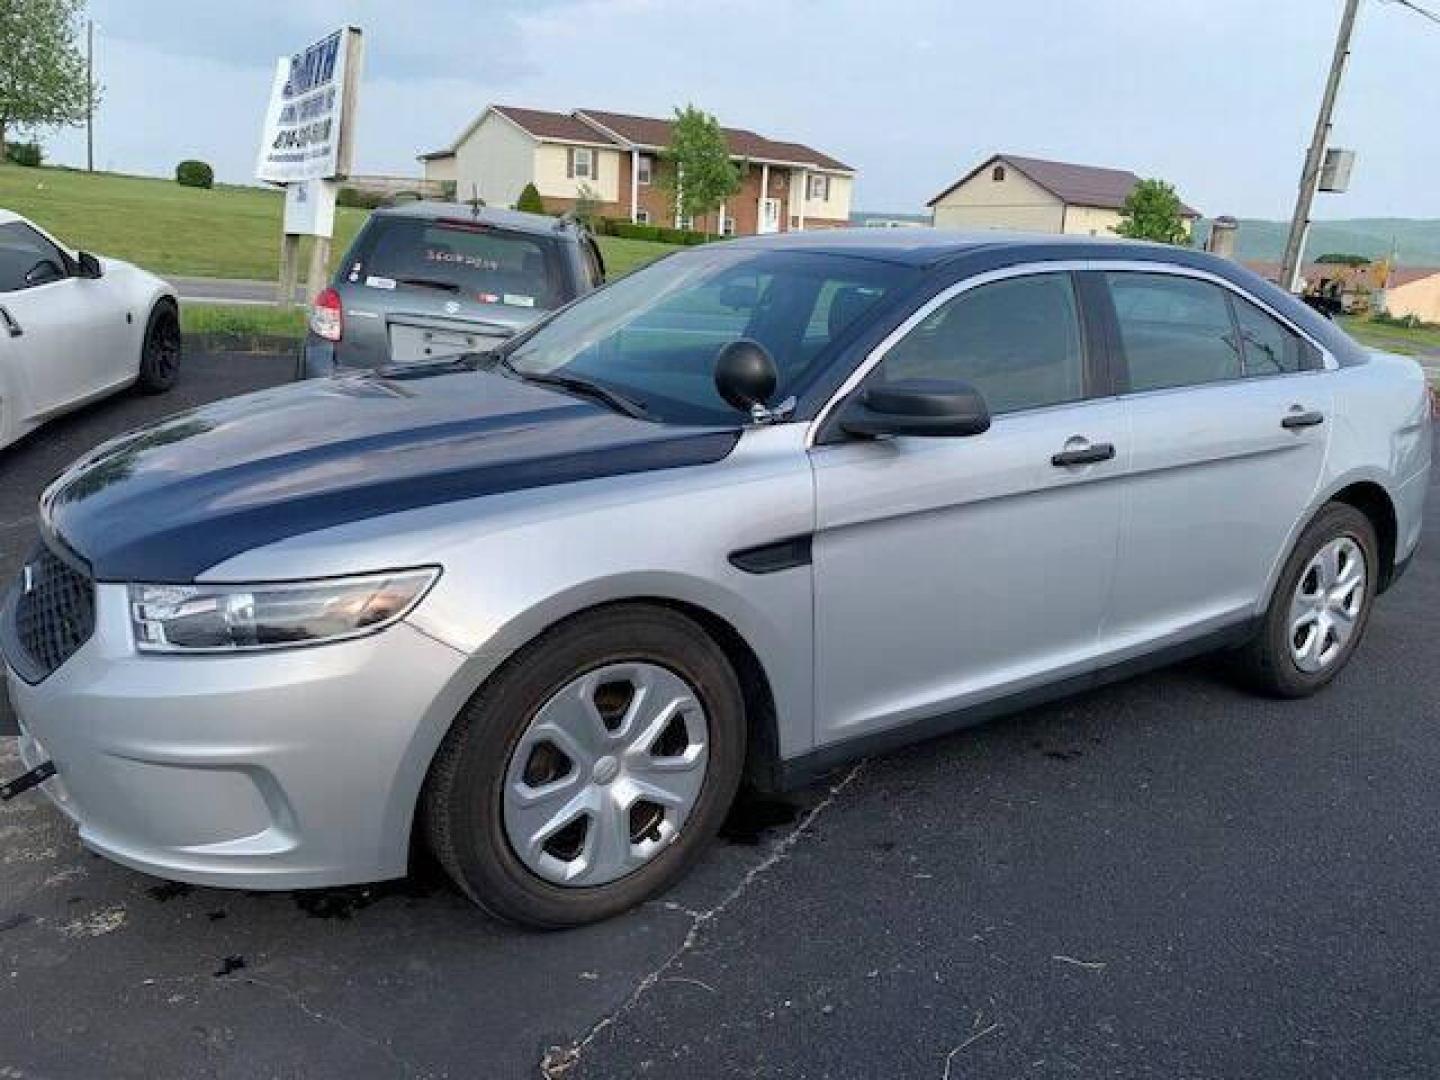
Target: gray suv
{"points": [[428, 280]]}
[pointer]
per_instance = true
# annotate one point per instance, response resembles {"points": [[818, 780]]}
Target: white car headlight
{"points": [[229, 618]]}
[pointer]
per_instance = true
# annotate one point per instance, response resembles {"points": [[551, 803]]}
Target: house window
{"points": [[642, 172], [727, 227], [682, 222], [997, 174], [582, 163], [819, 189], [642, 216]]}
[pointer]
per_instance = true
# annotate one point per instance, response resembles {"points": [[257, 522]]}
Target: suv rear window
{"points": [[482, 262]]}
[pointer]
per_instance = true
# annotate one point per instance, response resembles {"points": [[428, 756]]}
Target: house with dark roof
{"points": [[1008, 191], [618, 158]]}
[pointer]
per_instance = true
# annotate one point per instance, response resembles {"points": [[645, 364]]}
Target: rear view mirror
{"points": [[739, 295], [89, 265], [934, 407]]}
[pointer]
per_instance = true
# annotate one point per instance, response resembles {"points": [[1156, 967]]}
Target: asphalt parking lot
{"points": [[1165, 878]]}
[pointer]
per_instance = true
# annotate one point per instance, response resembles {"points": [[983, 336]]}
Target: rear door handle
{"points": [[1302, 420], [1084, 455], [8, 321]]}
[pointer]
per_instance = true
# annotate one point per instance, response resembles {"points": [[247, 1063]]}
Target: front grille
{"points": [[53, 615]]}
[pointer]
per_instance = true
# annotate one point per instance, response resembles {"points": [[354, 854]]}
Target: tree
{"points": [[42, 76], [1152, 211], [530, 200], [700, 175], [587, 205]]}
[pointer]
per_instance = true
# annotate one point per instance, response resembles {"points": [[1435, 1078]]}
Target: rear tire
{"points": [[480, 810], [1320, 609], [160, 351]]}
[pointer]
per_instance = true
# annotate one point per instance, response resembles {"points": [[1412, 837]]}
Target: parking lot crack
{"points": [[559, 1060], [299, 1003]]}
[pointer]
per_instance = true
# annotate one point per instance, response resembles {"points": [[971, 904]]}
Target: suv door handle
{"points": [[1085, 455], [1302, 420], [8, 321]]}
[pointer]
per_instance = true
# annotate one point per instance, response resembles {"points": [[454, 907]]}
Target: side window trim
{"points": [[1312, 356]]}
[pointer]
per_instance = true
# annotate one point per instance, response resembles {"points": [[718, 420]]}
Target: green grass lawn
{"points": [[228, 232], [242, 320], [1392, 338]]}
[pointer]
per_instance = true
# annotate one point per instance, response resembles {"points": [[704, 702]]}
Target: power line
{"points": [[1426, 12]]}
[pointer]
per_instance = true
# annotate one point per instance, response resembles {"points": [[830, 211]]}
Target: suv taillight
{"points": [[326, 317]]}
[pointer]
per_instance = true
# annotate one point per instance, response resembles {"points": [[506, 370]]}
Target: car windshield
{"points": [[470, 260], [653, 336]]}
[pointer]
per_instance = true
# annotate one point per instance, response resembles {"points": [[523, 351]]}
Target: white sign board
{"points": [[310, 208], [306, 127]]}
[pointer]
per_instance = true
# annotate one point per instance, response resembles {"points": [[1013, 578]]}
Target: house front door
{"points": [[769, 215]]}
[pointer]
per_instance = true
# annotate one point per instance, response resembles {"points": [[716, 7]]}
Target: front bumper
{"points": [[274, 770]]}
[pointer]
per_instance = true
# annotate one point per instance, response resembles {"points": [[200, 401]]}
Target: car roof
{"points": [[976, 252], [925, 246], [514, 220], [6, 217]]}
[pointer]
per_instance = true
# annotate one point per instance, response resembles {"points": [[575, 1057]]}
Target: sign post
{"points": [[308, 146]]}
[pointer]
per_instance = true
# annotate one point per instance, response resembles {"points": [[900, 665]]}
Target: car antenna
{"points": [[565, 220], [475, 201]]}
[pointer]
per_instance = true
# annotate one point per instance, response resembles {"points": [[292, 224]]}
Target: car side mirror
{"points": [[43, 273], [745, 375], [89, 265], [933, 407]]}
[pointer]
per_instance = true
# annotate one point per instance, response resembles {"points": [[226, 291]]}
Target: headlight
{"points": [[227, 618]]}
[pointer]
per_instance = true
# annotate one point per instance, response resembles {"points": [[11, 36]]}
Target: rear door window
{"points": [[472, 260], [1174, 330]]}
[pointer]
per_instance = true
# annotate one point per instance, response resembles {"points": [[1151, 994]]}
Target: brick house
{"points": [[784, 185]]}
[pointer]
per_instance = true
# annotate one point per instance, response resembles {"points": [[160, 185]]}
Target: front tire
{"points": [[160, 351], [1320, 608], [590, 772]]}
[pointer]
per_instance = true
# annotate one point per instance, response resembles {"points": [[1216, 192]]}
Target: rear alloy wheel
{"points": [[1320, 607], [160, 355], [591, 770]]}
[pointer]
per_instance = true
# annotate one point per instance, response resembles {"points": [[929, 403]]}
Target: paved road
{"points": [[229, 291], [1164, 878]]}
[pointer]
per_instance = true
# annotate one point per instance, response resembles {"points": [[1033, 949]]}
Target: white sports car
{"points": [[74, 328]]}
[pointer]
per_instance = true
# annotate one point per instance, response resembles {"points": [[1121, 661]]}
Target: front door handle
{"points": [[8, 321], [1084, 455], [1302, 420]]}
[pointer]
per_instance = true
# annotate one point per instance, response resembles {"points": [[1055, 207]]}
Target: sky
{"points": [[1217, 96]]}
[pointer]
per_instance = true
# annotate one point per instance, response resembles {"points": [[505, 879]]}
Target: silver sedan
{"points": [[749, 513]]}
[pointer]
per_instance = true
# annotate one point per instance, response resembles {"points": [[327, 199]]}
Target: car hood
{"points": [[166, 502]]}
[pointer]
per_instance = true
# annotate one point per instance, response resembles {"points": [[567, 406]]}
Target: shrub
{"points": [[191, 173], [361, 200], [530, 200], [28, 154]]}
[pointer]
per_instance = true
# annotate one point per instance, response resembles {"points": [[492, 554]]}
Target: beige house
{"points": [[617, 157], [1033, 195], [1413, 293]]}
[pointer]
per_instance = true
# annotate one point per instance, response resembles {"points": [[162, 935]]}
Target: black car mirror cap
{"points": [[745, 374], [938, 408], [89, 265]]}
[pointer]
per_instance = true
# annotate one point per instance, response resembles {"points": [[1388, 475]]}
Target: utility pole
{"points": [[1310, 177], [89, 95]]}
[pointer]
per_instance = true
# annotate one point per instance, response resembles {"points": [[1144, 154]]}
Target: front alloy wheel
{"points": [[590, 771]]}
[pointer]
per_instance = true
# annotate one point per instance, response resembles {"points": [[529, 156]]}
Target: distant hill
{"points": [[1416, 240]]}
